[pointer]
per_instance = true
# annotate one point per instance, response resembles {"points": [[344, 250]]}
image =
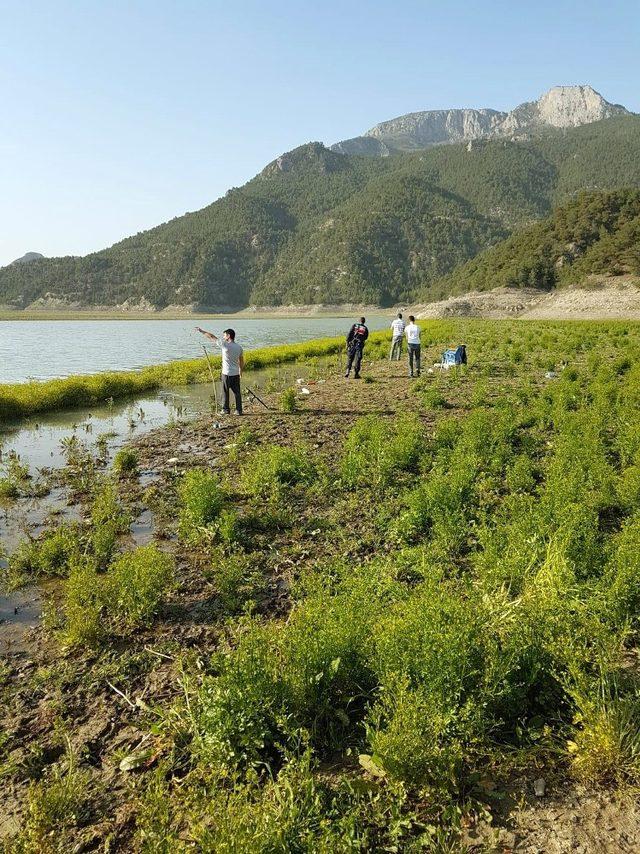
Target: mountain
{"points": [[596, 233], [27, 258], [560, 107], [317, 226]]}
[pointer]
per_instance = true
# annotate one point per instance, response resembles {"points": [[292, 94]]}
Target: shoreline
{"points": [[291, 312], [598, 298], [20, 400]]}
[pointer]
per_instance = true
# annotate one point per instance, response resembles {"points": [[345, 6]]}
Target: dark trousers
{"points": [[414, 355], [354, 357], [231, 384]]}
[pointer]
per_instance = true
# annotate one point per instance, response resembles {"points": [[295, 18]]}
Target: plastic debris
{"points": [[539, 787], [136, 760], [304, 391]]}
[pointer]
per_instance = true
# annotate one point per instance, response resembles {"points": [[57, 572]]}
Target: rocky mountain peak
{"points": [[28, 257], [560, 107], [311, 156]]}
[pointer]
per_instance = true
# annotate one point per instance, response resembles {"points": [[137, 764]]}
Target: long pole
{"points": [[213, 380]]}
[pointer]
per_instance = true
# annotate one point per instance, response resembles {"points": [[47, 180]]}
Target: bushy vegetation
{"points": [[288, 400], [317, 226], [46, 557], [499, 620], [271, 471], [397, 628], [127, 595], [380, 454], [201, 501], [125, 462], [596, 233]]}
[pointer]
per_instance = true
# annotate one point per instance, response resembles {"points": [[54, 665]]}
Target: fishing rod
{"points": [[213, 380], [255, 397]]}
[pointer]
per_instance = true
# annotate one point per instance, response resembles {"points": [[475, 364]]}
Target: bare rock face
{"points": [[560, 107], [28, 257], [420, 130], [366, 145]]}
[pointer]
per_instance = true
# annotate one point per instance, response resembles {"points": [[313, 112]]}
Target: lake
{"points": [[45, 349]]}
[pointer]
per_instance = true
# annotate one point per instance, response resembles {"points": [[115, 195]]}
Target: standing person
{"points": [[358, 334], [232, 367], [412, 331], [397, 327]]}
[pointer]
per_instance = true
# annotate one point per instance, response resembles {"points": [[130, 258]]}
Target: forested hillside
{"points": [[596, 233], [318, 226]]}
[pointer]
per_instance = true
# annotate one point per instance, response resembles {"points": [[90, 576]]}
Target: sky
{"points": [[118, 115]]}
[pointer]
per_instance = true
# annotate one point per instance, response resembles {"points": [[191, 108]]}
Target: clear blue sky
{"points": [[119, 115]]}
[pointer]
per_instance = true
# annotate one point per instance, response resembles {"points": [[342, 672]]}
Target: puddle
{"points": [[39, 442], [30, 516], [19, 612], [141, 529]]}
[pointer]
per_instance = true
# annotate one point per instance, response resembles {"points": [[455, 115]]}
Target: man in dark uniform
{"points": [[358, 334]]}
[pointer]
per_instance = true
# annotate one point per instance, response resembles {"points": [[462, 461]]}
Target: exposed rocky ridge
{"points": [[28, 257], [560, 107]]}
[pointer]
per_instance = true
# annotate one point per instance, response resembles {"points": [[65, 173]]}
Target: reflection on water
{"points": [[39, 442], [19, 612]]}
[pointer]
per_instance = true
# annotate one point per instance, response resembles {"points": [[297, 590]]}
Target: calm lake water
{"points": [[44, 349]]}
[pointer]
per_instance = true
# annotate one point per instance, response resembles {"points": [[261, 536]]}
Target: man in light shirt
{"points": [[232, 367], [397, 331], [412, 331]]}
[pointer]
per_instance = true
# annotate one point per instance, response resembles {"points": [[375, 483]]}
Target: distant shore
{"points": [[173, 313], [600, 297]]}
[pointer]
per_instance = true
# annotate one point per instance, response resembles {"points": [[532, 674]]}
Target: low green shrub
{"points": [[239, 579], [620, 583], [15, 479], [377, 452], [236, 716], [61, 800], [299, 810], [136, 584], [288, 400], [125, 462], [108, 521], [430, 393], [248, 529], [84, 605], [272, 470], [605, 747], [201, 501], [47, 557]]}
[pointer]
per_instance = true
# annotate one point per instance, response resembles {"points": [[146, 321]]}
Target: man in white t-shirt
{"points": [[232, 367], [412, 331], [397, 330]]}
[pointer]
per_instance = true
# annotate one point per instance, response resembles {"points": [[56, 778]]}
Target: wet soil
{"points": [[104, 701]]}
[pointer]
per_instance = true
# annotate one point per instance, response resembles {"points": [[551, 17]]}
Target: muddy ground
{"points": [[103, 702]]}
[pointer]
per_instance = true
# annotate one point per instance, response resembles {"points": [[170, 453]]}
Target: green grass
{"points": [[394, 617]]}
